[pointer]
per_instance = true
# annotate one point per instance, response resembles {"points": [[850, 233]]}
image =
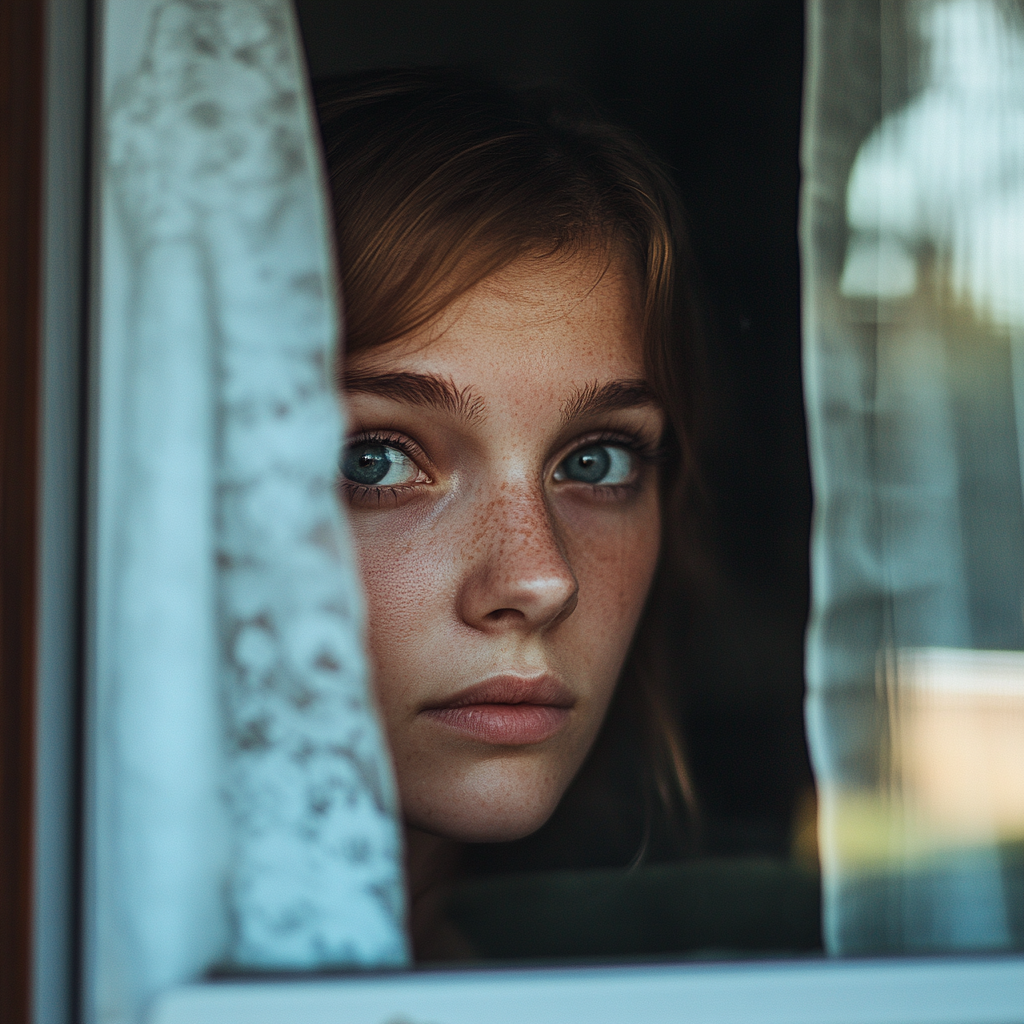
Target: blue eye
{"points": [[372, 464], [597, 464]]}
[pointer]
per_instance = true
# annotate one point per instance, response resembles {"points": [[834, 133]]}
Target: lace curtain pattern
{"points": [[242, 795]]}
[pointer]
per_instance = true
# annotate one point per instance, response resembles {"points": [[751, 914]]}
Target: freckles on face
{"points": [[501, 480]]}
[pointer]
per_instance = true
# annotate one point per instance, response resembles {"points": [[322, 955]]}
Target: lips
{"points": [[507, 710]]}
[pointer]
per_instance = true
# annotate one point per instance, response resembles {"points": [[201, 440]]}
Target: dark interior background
{"points": [[715, 89]]}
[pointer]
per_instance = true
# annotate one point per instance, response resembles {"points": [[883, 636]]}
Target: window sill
{"points": [[982, 990]]}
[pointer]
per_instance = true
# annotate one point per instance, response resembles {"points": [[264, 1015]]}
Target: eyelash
{"points": [[364, 493], [406, 445], [649, 455]]}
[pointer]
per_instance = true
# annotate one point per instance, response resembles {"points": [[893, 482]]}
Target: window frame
{"points": [[937, 990], [21, 147], [44, 174], [44, 458], [44, 184]]}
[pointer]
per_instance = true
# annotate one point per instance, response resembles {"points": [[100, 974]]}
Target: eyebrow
{"points": [[597, 398], [426, 389]]}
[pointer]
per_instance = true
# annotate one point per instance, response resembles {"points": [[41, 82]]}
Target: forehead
{"points": [[566, 319]]}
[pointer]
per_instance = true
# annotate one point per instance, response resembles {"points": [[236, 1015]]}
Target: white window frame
{"points": [[940, 990]]}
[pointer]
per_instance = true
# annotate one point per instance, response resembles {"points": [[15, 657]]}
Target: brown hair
{"points": [[439, 180]]}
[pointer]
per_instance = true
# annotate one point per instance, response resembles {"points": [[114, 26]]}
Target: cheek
{"points": [[404, 568], [615, 557]]}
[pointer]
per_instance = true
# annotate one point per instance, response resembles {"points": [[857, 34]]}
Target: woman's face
{"points": [[504, 503]]}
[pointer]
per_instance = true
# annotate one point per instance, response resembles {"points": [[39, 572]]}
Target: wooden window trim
{"points": [[21, 141]]}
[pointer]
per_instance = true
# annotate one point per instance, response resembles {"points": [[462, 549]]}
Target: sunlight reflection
{"points": [[961, 742], [943, 177]]}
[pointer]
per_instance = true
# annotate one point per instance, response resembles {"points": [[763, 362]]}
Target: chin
{"points": [[480, 814], [497, 829], [473, 829]]}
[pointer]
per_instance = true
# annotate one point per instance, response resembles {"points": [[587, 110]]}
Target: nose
{"points": [[516, 574]]}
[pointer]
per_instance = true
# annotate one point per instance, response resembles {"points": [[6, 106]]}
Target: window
{"points": [[208, 868]]}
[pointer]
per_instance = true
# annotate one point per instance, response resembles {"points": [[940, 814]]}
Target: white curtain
{"points": [[241, 806], [912, 237]]}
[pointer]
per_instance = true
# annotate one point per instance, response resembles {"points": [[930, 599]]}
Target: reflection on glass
{"points": [[915, 389], [960, 745], [942, 177]]}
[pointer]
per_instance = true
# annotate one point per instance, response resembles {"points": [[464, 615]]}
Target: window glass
{"points": [[510, 661], [912, 242], [715, 91]]}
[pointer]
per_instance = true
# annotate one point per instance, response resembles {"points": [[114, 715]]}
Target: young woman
{"points": [[519, 378]]}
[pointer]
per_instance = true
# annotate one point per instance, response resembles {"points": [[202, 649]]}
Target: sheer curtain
{"points": [[913, 247], [241, 805]]}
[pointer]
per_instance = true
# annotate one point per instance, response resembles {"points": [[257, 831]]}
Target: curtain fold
{"points": [[912, 237], [242, 809]]}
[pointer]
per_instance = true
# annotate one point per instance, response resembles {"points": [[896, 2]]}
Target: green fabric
{"points": [[710, 907]]}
